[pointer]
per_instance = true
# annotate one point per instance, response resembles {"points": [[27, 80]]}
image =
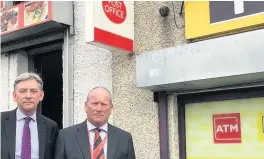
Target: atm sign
{"points": [[227, 128]]}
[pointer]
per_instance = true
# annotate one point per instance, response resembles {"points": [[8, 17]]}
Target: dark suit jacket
{"points": [[47, 133], [73, 143]]}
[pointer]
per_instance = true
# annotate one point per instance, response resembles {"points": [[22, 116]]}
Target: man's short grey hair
{"points": [[102, 88], [29, 76]]}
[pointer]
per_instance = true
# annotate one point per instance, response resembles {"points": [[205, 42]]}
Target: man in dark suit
{"points": [[95, 138], [25, 134]]}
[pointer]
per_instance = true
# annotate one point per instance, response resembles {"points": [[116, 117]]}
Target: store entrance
{"points": [[49, 67]]}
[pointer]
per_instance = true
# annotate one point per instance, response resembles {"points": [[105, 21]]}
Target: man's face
{"points": [[98, 107], [27, 94]]}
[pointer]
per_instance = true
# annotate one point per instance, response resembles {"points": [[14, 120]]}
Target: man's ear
{"points": [[42, 95], [14, 96]]}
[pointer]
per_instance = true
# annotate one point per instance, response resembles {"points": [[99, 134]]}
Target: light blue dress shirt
{"points": [[33, 131]]}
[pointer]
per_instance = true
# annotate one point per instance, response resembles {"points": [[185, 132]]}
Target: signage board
{"points": [[25, 15], [20, 19], [110, 23], [205, 19], [227, 128]]}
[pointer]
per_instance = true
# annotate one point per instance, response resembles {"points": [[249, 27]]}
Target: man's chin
{"points": [[98, 123], [28, 107]]}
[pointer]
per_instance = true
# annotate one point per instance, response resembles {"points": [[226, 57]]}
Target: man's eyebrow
{"points": [[27, 88], [22, 88]]}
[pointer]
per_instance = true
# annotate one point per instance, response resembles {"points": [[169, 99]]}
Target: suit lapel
{"points": [[41, 135], [10, 130], [112, 140], [83, 140]]}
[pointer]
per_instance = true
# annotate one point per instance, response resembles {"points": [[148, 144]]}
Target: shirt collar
{"points": [[90, 126], [20, 115]]}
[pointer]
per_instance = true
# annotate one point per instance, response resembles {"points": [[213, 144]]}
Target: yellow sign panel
{"points": [[205, 19], [260, 122], [202, 119]]}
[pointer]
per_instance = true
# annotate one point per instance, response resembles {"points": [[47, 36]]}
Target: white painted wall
{"points": [[12, 65], [4, 95], [92, 65]]}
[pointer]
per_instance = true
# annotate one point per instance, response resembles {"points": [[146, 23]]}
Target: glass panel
{"points": [[230, 129]]}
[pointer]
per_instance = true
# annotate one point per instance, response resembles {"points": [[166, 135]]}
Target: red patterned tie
{"points": [[98, 149], [26, 140]]}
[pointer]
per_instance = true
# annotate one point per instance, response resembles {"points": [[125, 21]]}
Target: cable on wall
{"points": [[174, 14]]}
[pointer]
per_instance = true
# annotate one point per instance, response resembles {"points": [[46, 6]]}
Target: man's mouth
{"points": [[28, 102]]}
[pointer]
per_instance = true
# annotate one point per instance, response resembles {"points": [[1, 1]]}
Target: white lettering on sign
{"points": [[239, 7], [115, 8], [227, 128], [154, 72], [115, 11]]}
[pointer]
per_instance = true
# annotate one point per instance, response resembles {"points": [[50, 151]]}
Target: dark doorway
{"points": [[49, 67]]}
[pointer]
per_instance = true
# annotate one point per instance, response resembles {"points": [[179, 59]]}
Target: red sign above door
{"points": [[25, 15]]}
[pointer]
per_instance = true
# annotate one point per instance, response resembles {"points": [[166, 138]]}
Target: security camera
{"points": [[164, 11]]}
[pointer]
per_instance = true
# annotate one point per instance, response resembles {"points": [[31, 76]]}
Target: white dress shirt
{"points": [[33, 132], [103, 134]]}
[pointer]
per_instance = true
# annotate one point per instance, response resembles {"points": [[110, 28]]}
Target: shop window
{"points": [[220, 125]]}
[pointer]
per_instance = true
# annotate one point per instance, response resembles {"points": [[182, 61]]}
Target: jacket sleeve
{"points": [[54, 138], [60, 147], [131, 152]]}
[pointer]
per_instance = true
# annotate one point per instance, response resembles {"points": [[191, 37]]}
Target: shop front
{"points": [[34, 38], [216, 84]]}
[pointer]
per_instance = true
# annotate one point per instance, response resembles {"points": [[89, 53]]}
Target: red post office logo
{"points": [[227, 128], [115, 11]]}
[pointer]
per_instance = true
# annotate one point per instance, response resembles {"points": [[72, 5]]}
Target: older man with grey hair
{"points": [[25, 134], [95, 138]]}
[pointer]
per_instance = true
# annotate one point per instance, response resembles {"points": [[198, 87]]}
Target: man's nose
{"points": [[28, 95], [99, 107]]}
